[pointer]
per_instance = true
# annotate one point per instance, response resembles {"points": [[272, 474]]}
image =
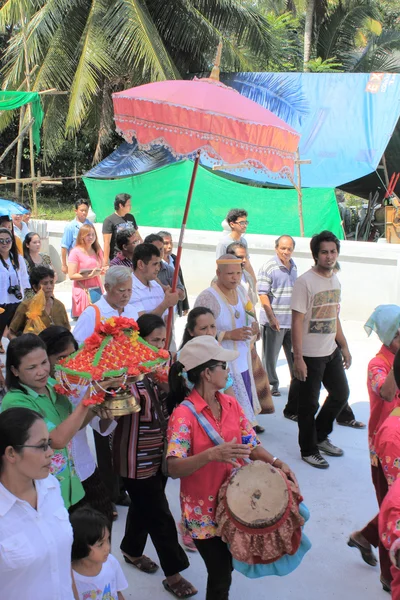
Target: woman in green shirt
{"points": [[27, 379]]}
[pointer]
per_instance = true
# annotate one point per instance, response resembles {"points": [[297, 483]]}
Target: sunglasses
{"points": [[223, 366], [5, 242], [44, 446]]}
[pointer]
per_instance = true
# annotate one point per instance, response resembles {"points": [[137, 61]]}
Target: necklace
{"points": [[232, 301]]}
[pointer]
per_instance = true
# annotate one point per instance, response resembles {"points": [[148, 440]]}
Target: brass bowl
{"points": [[123, 402]]}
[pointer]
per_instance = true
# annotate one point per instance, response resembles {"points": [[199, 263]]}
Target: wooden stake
{"points": [[19, 136]]}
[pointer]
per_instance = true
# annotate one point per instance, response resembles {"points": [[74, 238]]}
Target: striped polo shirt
{"points": [[276, 281]]}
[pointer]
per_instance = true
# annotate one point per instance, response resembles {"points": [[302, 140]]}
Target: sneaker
{"points": [[316, 460], [327, 447]]}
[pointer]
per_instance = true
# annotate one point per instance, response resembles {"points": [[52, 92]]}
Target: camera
{"points": [[15, 290]]}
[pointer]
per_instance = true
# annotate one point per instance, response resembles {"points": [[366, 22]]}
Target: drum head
{"points": [[257, 495]]}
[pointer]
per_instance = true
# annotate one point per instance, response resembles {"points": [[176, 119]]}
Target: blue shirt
{"points": [[71, 233], [276, 281]]}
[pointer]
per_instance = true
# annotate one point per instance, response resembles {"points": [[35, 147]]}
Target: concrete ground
{"points": [[340, 499]]}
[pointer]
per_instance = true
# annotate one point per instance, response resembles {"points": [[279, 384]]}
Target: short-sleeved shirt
{"points": [[54, 408], [70, 234], [276, 281], [225, 241], [86, 323], [21, 233], [58, 316], [378, 370], [318, 299], [115, 223], [35, 545], [387, 446], [186, 437], [121, 261], [146, 298], [105, 585]]}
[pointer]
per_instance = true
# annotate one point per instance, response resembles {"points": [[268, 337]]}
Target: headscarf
{"points": [[385, 321]]}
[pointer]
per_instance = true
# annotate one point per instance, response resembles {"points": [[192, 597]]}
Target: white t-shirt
{"points": [[105, 585], [317, 298], [23, 232], [146, 298], [35, 545]]}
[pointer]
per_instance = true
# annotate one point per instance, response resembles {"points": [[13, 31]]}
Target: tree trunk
{"points": [[308, 29]]}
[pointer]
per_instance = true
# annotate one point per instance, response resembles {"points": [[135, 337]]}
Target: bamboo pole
{"points": [[19, 153], [28, 88], [19, 136]]}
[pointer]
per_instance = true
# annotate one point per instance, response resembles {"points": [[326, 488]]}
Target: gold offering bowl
{"points": [[123, 402]]}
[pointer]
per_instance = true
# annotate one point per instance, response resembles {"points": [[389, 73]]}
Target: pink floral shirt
{"points": [[186, 437]]}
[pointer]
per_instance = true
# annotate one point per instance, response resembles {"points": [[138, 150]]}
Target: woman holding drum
{"points": [[202, 466]]}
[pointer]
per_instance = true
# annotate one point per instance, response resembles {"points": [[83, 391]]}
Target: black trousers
{"points": [[291, 408], [329, 371], [149, 514], [218, 561], [112, 480]]}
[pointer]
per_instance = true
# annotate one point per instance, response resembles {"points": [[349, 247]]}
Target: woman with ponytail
{"points": [[201, 465]]}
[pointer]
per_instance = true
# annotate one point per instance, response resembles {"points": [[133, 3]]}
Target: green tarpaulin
{"points": [[158, 199], [14, 100]]}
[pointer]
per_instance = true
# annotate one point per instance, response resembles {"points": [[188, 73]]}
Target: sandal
{"points": [[290, 417], [180, 589], [367, 555], [352, 423], [143, 563], [276, 393]]}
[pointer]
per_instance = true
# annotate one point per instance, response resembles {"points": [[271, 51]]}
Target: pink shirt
{"points": [[186, 437], [378, 370], [387, 446]]}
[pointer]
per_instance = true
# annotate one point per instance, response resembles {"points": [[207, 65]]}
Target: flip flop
{"points": [[367, 555], [144, 563], [276, 393], [181, 589], [352, 423]]}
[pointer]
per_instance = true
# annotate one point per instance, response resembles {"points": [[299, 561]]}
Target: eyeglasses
{"points": [[242, 223], [45, 446], [223, 366], [5, 242]]}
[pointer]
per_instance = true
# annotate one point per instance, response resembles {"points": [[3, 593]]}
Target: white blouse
{"points": [[35, 545], [19, 277]]}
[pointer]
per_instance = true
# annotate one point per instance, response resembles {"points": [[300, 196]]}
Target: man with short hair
{"points": [[120, 219], [166, 272], [320, 351], [126, 240], [53, 313], [147, 295], [275, 283], [238, 223], [72, 229], [170, 258]]}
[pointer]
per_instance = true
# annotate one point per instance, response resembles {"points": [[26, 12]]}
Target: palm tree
{"points": [[91, 48]]}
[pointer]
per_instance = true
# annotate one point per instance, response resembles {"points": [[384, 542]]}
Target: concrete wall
{"points": [[369, 272]]}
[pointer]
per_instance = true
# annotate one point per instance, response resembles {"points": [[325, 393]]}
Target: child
{"points": [[97, 574]]}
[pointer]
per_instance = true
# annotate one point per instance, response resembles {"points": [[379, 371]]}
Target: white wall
{"points": [[369, 272]]}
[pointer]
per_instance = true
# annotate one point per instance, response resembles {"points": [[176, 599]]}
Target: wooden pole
{"points": [[299, 194], [19, 153], [28, 88], [180, 244], [19, 136]]}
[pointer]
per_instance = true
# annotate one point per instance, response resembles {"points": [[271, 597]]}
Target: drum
{"points": [[258, 514]]}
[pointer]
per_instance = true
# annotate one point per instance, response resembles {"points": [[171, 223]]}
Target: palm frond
{"points": [[137, 41], [95, 61], [382, 54], [274, 92], [338, 30]]}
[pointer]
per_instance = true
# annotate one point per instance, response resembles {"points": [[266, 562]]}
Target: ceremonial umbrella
{"points": [[205, 116]]}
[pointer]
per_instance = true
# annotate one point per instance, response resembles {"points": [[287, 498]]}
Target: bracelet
{"points": [[274, 461]]}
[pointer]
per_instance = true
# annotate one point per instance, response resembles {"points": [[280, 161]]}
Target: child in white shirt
{"points": [[97, 574]]}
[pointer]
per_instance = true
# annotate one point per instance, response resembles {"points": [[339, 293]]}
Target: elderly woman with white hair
{"points": [[114, 303]]}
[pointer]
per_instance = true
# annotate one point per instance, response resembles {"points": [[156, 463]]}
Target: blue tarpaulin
{"points": [[345, 119]]}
